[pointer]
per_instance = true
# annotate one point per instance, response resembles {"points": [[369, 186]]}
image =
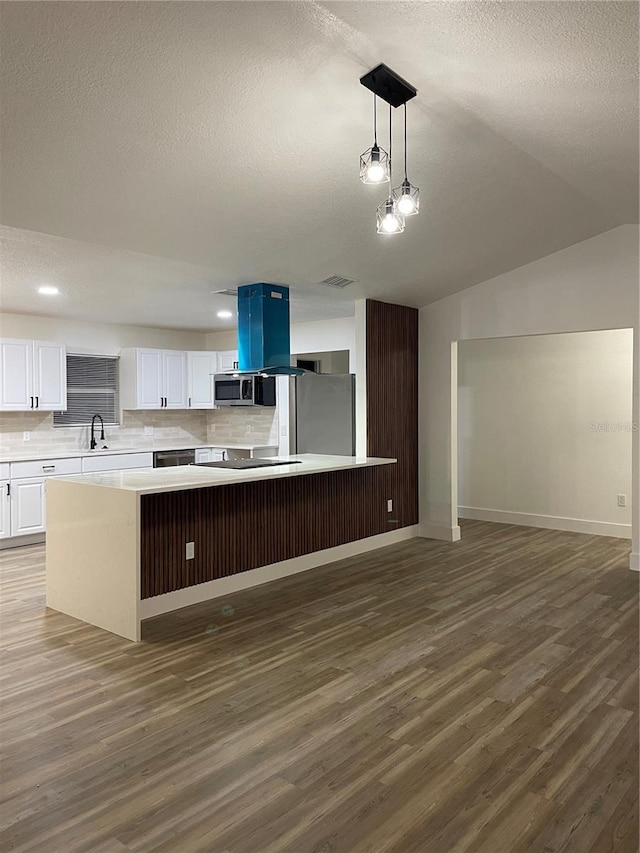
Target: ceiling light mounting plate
{"points": [[388, 85]]}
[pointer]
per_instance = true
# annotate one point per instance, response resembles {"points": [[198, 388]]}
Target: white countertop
{"points": [[25, 456], [149, 481]]}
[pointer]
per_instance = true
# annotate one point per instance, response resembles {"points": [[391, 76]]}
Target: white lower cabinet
{"points": [[5, 509], [27, 511], [27, 506], [119, 462], [210, 454]]}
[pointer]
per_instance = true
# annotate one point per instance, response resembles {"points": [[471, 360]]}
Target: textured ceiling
{"points": [[226, 136], [106, 285]]}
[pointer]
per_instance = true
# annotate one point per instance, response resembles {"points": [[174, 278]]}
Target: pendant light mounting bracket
{"points": [[388, 85]]}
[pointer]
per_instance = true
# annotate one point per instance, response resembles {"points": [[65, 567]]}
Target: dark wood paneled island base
{"points": [[125, 546], [244, 526]]}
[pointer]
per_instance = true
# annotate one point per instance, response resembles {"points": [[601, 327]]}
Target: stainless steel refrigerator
{"points": [[322, 413]]}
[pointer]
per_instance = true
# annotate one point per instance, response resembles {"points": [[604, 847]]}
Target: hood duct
{"points": [[264, 344]]}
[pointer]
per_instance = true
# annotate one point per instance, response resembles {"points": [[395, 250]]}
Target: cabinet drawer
{"points": [[4, 470], [121, 462], [46, 468]]}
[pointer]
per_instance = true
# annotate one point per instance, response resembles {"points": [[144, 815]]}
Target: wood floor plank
{"points": [[476, 697]]}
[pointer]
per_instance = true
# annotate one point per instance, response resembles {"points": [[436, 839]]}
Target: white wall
{"points": [[97, 338], [544, 430], [319, 336], [592, 285]]}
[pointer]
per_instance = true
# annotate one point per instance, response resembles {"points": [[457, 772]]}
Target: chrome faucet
{"points": [[94, 442]]}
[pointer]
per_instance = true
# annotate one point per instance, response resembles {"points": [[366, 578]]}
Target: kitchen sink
{"points": [[99, 451]]}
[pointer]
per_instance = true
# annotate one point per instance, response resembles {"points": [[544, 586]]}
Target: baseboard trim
{"points": [[634, 562], [159, 604], [429, 530], [547, 522], [19, 541]]}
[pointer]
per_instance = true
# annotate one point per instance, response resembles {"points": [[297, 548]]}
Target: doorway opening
{"points": [[544, 431]]}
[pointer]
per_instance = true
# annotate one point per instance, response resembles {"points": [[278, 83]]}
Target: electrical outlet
{"points": [[283, 430], [622, 500], [26, 436], [190, 550], [148, 430], [389, 505], [248, 429]]}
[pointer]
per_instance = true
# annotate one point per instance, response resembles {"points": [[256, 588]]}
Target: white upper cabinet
{"points": [[174, 377], [33, 375], [201, 369], [153, 379], [227, 361], [16, 374], [148, 379], [50, 376]]}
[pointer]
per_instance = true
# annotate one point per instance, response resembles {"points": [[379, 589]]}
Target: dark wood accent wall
{"points": [[392, 401], [240, 527]]}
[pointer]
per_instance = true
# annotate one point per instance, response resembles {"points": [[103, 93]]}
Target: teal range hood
{"points": [[264, 344]]}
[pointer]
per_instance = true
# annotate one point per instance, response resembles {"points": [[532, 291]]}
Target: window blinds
{"points": [[92, 389]]}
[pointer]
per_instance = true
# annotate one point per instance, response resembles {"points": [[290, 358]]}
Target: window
{"points": [[92, 389]]}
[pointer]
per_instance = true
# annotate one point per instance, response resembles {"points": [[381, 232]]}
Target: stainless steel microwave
{"points": [[244, 390]]}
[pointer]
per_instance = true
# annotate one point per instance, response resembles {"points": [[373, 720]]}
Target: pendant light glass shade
{"points": [[407, 198], [374, 163], [389, 220], [374, 166]]}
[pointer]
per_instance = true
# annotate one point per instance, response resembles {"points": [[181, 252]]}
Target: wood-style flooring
{"points": [[480, 697]]}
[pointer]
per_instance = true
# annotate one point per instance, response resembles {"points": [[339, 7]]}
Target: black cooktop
{"points": [[241, 464]]}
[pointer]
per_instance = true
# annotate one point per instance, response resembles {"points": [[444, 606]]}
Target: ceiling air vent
{"points": [[225, 292], [337, 281]]}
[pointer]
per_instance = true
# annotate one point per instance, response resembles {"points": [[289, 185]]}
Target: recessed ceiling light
{"points": [[224, 315], [48, 290]]}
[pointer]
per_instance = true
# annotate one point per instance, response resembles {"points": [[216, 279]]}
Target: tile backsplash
{"points": [[235, 425], [255, 425], [181, 427]]}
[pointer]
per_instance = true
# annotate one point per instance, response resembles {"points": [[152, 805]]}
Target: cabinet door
{"points": [[174, 368], [227, 361], [16, 375], [49, 376], [201, 368], [149, 378], [27, 506], [5, 509]]}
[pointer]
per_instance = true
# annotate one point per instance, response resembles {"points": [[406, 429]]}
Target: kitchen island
{"points": [[123, 546]]}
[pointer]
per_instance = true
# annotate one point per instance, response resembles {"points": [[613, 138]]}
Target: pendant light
{"points": [[389, 219], [406, 196], [374, 163]]}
